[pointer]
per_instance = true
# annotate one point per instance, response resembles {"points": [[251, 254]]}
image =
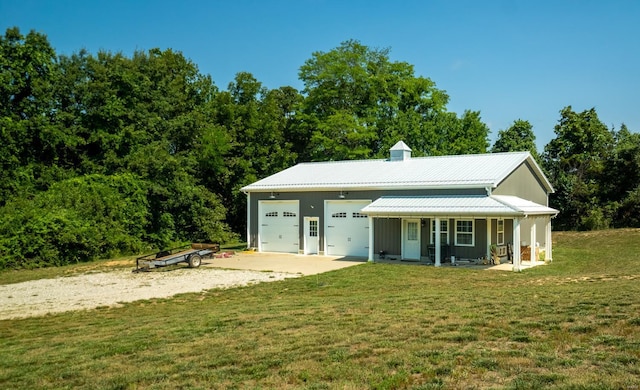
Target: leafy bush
{"points": [[99, 216], [629, 211], [76, 220]]}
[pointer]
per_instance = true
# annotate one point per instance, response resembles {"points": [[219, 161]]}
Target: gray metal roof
{"points": [[452, 206], [524, 206], [468, 171]]}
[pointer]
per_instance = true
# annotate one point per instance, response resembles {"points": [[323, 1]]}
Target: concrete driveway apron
{"points": [[283, 262]]}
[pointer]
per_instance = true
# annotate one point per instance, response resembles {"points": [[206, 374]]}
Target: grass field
{"points": [[573, 324]]}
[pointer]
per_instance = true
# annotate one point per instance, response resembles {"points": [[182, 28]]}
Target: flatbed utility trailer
{"points": [[190, 254]]}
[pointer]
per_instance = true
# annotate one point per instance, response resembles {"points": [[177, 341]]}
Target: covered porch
{"points": [[460, 228]]}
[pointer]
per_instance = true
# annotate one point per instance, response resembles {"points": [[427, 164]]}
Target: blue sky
{"points": [[507, 59]]}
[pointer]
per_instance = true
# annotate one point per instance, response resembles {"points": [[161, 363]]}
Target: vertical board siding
{"points": [[425, 236], [522, 182], [387, 235], [508, 231], [480, 241], [388, 231], [312, 205]]}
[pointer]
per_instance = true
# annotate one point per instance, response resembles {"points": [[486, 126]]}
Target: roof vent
{"points": [[400, 152]]}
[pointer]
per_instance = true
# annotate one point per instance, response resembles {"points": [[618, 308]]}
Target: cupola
{"points": [[400, 152]]}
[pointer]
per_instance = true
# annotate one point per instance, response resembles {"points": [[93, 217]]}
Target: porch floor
{"points": [[465, 264]]}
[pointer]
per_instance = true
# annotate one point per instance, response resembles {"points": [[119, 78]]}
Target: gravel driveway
{"points": [[88, 291], [94, 289]]}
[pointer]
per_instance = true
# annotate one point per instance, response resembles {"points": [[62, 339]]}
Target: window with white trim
{"points": [[271, 214], [412, 231], [339, 215], [500, 232], [358, 215], [464, 232], [444, 232], [313, 228], [288, 214]]}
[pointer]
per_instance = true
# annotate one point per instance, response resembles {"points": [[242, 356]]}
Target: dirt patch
{"points": [[95, 289]]}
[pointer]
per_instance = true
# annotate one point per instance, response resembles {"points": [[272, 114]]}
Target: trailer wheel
{"points": [[195, 260]]}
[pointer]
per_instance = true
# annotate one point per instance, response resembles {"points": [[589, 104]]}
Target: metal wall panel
{"points": [[312, 204], [387, 235]]}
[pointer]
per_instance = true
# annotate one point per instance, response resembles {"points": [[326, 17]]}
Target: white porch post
{"points": [[533, 241], [516, 244], [249, 220], [547, 249], [489, 239], [437, 242], [371, 238]]}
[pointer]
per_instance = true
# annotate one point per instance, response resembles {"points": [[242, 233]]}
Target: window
{"points": [[500, 231], [271, 214], [288, 214], [444, 232], [412, 231], [358, 215], [313, 228], [339, 215], [464, 232]]}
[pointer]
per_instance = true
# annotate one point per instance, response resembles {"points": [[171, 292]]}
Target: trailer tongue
{"points": [[190, 254]]}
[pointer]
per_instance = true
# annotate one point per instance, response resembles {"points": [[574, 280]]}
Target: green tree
{"points": [[575, 161], [518, 137], [258, 122], [358, 104], [623, 178], [467, 135], [28, 140], [151, 115]]}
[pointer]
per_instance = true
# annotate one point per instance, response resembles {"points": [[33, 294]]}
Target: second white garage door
{"points": [[279, 226], [346, 230]]}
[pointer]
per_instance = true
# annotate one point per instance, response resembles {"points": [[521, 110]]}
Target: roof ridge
{"points": [[417, 158], [339, 161]]}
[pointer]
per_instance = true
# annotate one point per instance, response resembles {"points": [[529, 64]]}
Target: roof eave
{"points": [[422, 214], [541, 175], [351, 187]]}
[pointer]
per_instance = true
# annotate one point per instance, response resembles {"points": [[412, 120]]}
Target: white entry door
{"points": [[411, 239], [311, 241]]}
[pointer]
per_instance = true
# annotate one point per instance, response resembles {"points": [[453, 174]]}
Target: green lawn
{"points": [[573, 324]]}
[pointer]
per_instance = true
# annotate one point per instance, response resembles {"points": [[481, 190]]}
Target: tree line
{"points": [[105, 154]]}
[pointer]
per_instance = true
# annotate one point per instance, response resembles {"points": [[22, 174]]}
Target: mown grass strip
{"points": [[573, 324]]}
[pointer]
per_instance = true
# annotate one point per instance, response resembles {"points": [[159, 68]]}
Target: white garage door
{"points": [[346, 230], [279, 231]]}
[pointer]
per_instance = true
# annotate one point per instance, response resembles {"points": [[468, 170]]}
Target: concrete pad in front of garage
{"points": [[283, 262]]}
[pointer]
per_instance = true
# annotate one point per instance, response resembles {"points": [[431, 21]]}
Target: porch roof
{"points": [[468, 206]]}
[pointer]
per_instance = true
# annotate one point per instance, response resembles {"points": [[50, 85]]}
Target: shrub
{"points": [[75, 220]]}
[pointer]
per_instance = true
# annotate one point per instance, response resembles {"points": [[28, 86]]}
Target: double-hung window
{"points": [[500, 232], [444, 232], [464, 232]]}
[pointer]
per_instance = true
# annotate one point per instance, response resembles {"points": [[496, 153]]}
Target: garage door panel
{"points": [[279, 226], [347, 231]]}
